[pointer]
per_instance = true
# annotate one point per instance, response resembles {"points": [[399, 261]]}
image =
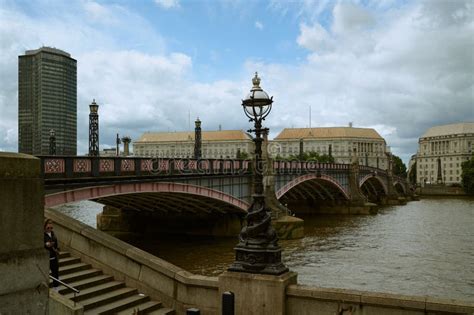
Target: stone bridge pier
{"points": [[130, 224]]}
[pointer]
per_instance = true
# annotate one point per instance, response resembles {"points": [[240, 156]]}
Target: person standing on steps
{"points": [[51, 244]]}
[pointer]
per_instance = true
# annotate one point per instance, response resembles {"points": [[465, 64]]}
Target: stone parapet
{"points": [[254, 293], [174, 287], [23, 259], [58, 304], [303, 300]]}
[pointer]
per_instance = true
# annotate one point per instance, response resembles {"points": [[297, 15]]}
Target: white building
{"points": [[340, 141], [108, 152], [215, 144], [451, 144]]}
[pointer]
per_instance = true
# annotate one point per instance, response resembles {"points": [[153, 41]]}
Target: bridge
{"points": [[209, 196], [22, 197]]}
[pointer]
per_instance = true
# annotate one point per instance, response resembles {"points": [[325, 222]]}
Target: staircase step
{"points": [[162, 311], [119, 305], [140, 309], [68, 261], [106, 298], [86, 283], [64, 255], [96, 290], [64, 270], [80, 275], [100, 294]]}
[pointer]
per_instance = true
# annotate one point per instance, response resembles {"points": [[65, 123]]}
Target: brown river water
{"points": [[424, 248]]}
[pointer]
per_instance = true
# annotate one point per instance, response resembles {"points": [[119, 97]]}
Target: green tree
{"points": [[313, 156], [468, 176], [412, 174], [399, 168], [242, 155]]}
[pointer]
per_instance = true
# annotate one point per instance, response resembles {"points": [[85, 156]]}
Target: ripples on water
{"points": [[423, 248], [84, 211]]}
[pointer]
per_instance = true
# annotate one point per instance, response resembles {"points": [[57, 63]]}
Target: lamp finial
{"points": [[256, 81]]}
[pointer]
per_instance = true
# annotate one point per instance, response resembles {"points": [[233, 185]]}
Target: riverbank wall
{"points": [[24, 262], [182, 290], [440, 190]]}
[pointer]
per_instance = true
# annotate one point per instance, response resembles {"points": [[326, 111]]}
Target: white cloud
{"points": [[413, 69], [308, 9], [314, 38], [11, 136], [400, 70], [99, 13], [259, 25], [168, 4], [350, 17]]}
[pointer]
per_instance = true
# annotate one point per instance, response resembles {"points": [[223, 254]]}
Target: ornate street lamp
{"points": [[258, 250], [52, 142], [94, 129]]}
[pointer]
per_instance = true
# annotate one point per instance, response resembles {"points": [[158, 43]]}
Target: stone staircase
{"points": [[100, 293]]}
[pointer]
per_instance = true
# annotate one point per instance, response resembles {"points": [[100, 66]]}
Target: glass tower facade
{"points": [[47, 99]]}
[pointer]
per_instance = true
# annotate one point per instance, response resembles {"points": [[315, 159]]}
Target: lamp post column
{"points": [[94, 129], [258, 250], [257, 277], [52, 142]]}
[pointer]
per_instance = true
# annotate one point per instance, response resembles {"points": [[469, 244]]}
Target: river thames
{"points": [[424, 248]]}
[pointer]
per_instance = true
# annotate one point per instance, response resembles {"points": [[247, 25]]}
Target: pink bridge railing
{"points": [[85, 166]]}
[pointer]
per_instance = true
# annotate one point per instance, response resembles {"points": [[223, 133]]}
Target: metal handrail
{"points": [[65, 284], [76, 291]]}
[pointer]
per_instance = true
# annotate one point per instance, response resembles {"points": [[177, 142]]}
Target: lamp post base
{"points": [[258, 260], [257, 293]]}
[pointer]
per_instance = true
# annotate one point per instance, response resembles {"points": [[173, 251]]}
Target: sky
{"points": [[399, 67]]}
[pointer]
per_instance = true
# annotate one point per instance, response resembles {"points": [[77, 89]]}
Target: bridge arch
{"points": [[373, 187], [142, 196], [372, 178], [400, 188], [323, 185]]}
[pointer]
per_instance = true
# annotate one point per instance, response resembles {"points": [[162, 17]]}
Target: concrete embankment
{"points": [[181, 290], [440, 190], [23, 259]]}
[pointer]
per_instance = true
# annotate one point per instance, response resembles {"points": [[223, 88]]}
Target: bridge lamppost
{"points": [[258, 250], [94, 129], [52, 142]]}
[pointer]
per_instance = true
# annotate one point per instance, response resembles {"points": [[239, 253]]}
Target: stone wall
{"points": [[59, 304], [304, 300], [24, 262], [173, 286], [181, 290], [440, 190]]}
